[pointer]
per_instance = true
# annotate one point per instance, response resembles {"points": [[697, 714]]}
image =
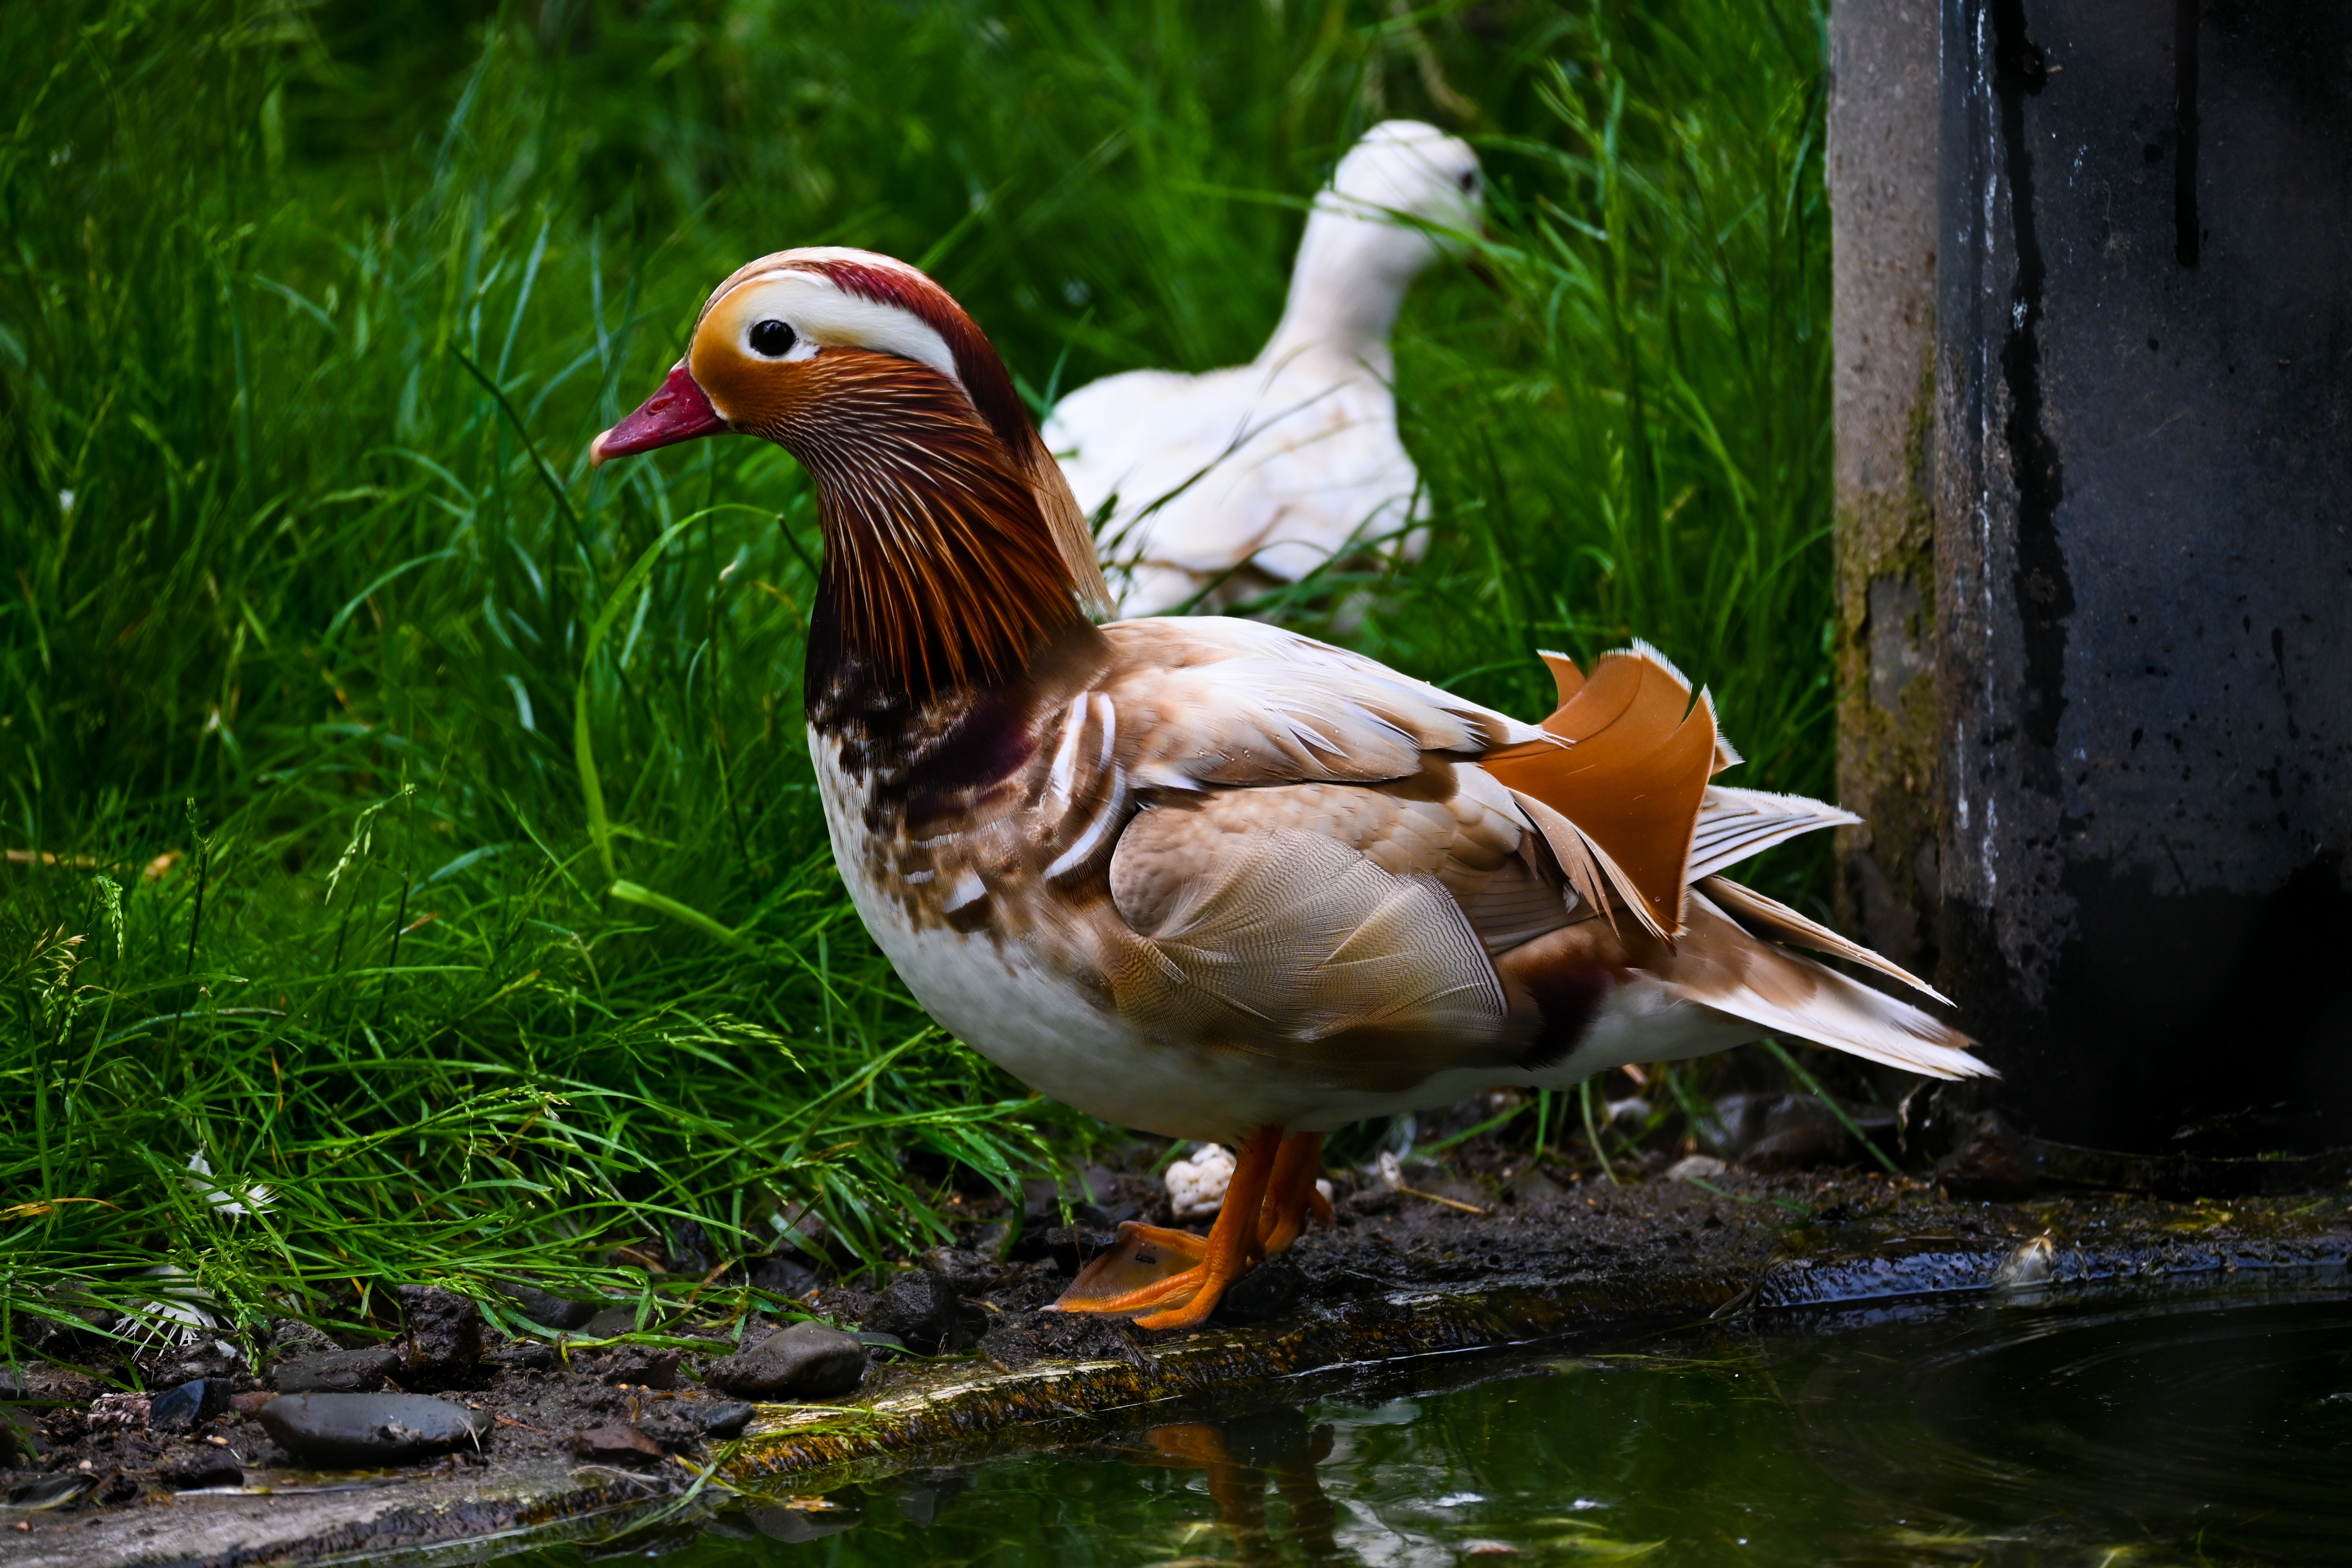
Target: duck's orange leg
{"points": [[1149, 1266], [1290, 1192], [1233, 1240]]}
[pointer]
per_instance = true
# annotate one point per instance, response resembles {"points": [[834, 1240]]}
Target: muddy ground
{"points": [[602, 1423]]}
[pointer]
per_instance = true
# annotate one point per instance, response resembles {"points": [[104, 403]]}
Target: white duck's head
{"points": [[1397, 202]]}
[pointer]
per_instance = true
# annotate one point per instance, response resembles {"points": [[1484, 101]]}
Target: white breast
{"points": [[1025, 1006]]}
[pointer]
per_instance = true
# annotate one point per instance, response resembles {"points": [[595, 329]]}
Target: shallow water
{"points": [[2017, 1433]]}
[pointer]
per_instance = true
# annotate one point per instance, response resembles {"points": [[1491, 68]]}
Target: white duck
{"points": [[1222, 484]]}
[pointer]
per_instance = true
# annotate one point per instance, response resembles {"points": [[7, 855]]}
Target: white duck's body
{"points": [[1220, 483]]}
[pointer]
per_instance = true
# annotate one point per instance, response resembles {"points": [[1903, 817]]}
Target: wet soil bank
{"points": [[587, 1440]]}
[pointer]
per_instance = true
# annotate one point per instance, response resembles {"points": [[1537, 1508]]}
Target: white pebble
{"points": [[1631, 1115], [1695, 1167], [1196, 1186]]}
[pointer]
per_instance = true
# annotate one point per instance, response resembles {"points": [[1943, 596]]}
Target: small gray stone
{"points": [[1697, 1168], [919, 1308], [618, 1444], [806, 1360], [368, 1428], [723, 1418], [200, 1465], [611, 1321], [291, 1337], [549, 1310], [339, 1372]]}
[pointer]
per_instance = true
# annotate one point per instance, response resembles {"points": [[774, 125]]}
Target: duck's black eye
{"points": [[773, 339], [1470, 181]]}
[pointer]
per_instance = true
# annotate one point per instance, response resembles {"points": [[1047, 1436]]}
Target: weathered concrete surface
{"points": [[1881, 172], [2143, 483], [1400, 1288], [470, 1514]]}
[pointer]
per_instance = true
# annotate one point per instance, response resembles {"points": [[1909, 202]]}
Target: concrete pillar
{"points": [[2142, 582], [1882, 175]]}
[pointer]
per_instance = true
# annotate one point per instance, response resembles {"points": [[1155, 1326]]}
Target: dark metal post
{"points": [[2143, 563]]}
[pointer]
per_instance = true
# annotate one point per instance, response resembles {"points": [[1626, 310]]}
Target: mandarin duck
{"points": [[1204, 877], [1220, 485]]}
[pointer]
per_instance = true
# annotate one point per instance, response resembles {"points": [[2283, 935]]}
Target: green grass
{"points": [[307, 314]]}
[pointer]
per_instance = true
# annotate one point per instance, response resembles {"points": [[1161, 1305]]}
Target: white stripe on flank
{"points": [[968, 890], [1109, 729], [1091, 839], [1065, 756]]}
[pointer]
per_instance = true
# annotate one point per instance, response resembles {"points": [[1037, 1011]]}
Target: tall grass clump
{"points": [[412, 863]]}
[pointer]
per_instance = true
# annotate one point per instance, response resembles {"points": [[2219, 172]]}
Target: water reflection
{"points": [[2232, 1428], [1241, 1458], [2027, 1433]]}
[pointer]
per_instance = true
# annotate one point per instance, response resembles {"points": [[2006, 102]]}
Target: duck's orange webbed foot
{"points": [[1147, 1267]]}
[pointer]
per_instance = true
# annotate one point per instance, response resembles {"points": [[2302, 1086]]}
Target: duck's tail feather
{"points": [[1777, 920], [1717, 964], [1735, 824]]}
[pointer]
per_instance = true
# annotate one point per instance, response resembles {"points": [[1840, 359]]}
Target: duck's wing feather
{"points": [[1330, 865], [1210, 700], [1315, 925], [1624, 760]]}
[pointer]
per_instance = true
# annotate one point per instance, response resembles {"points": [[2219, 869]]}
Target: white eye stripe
{"points": [[825, 316]]}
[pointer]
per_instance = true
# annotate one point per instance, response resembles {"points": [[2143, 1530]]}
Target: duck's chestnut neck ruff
{"points": [[953, 549]]}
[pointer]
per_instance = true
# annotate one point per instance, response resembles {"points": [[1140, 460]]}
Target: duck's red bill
{"points": [[678, 411]]}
